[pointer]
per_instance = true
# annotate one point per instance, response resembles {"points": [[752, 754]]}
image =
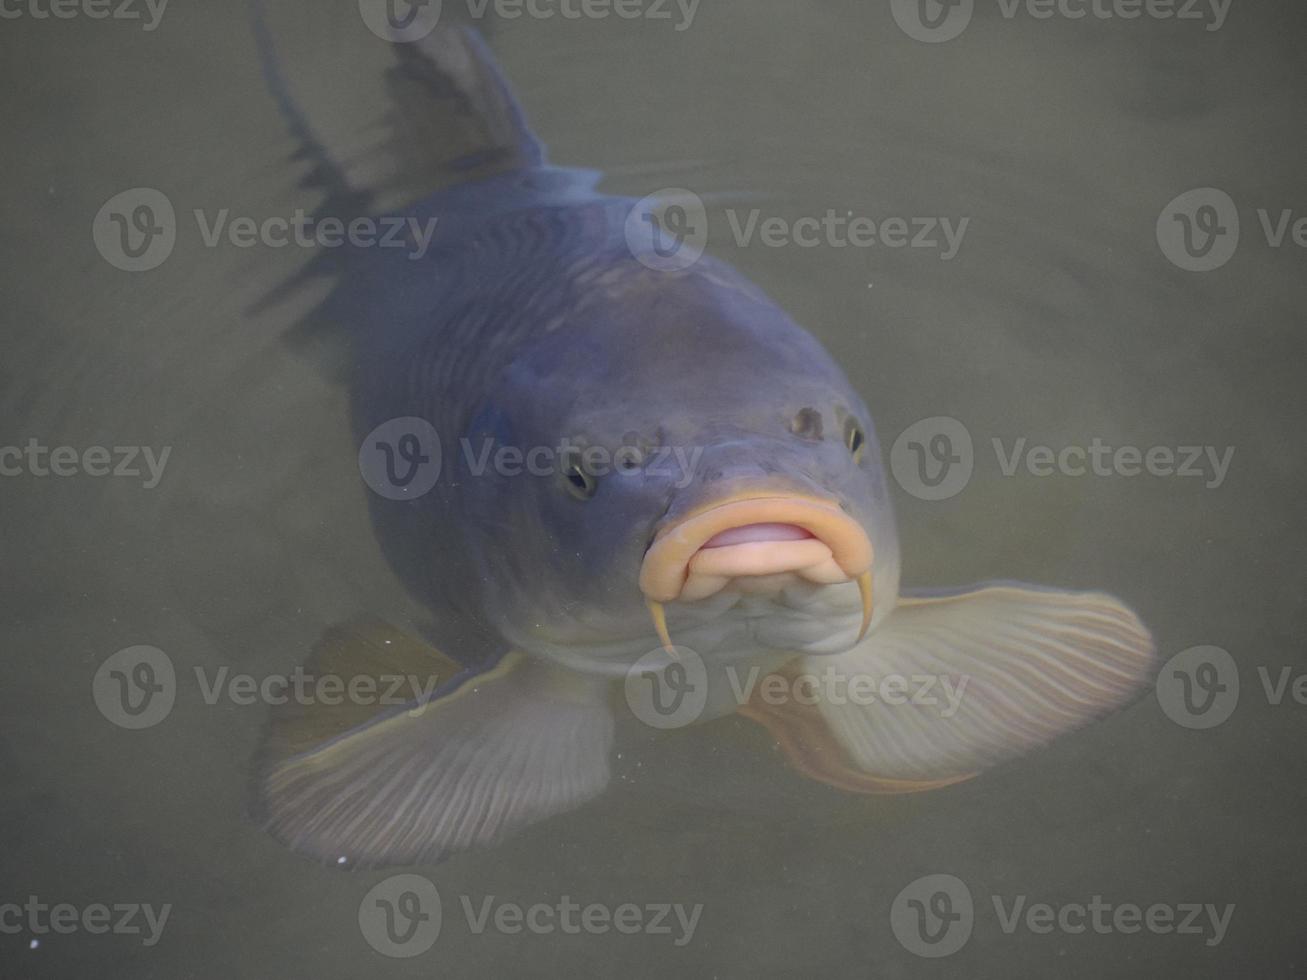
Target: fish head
{"points": [[715, 479]]}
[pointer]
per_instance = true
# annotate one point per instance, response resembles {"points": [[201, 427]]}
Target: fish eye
{"points": [[578, 482], [855, 439]]}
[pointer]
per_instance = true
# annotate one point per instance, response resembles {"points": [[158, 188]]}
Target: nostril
{"points": [[751, 533]]}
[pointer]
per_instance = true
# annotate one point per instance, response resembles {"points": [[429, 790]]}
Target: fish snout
{"points": [[754, 542]]}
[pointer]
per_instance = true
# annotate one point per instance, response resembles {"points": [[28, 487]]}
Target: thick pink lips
{"points": [[755, 542], [758, 532], [748, 536]]}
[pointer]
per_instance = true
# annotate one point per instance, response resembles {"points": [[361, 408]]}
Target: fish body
{"points": [[525, 367], [765, 540]]}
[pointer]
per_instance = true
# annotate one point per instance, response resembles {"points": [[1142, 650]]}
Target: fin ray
{"points": [[1026, 666], [490, 754]]}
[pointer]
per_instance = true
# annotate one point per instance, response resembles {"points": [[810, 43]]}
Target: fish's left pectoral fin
{"points": [[806, 740], [485, 757], [951, 685]]}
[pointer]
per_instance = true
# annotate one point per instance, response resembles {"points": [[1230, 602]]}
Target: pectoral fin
{"points": [[485, 756], [804, 737], [1009, 668]]}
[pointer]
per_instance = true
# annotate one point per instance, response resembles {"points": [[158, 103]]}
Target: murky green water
{"points": [[1059, 320]]}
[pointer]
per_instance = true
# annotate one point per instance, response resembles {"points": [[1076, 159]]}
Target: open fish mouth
{"points": [[755, 542]]}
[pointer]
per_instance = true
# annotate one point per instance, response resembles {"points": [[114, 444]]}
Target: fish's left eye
{"points": [[578, 482], [855, 439]]}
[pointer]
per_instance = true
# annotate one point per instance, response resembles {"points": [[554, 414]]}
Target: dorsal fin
{"points": [[409, 118], [381, 125]]}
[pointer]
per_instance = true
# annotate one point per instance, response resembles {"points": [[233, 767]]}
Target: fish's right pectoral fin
{"points": [[487, 756], [953, 684]]}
